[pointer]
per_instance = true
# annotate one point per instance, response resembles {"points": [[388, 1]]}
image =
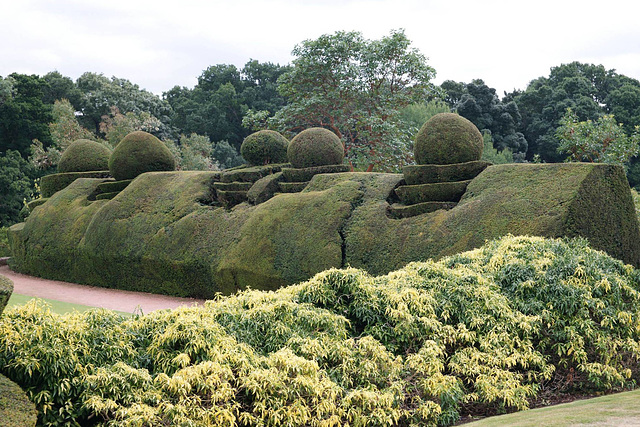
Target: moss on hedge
{"points": [[84, 155], [305, 174], [137, 153], [264, 188], [107, 196], [157, 236], [315, 147], [232, 186], [36, 202], [15, 408], [448, 138], [264, 147], [436, 192], [398, 211], [49, 184], [426, 174], [250, 174], [293, 187], [113, 186]]}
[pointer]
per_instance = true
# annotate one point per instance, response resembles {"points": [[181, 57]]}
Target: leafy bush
{"points": [[263, 147], [448, 138], [315, 147], [84, 155], [491, 328], [5, 250], [137, 153]]}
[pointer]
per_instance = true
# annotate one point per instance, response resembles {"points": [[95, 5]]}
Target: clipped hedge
{"points": [[293, 187], [50, 184], [436, 192], [427, 174], [137, 153], [264, 188], [36, 202], [15, 408], [6, 289], [448, 138], [517, 320], [305, 174], [264, 147], [398, 211], [250, 174], [232, 186], [315, 147], [159, 236], [113, 186], [84, 155]]}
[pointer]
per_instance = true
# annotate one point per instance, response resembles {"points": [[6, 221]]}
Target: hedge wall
{"points": [[160, 235]]}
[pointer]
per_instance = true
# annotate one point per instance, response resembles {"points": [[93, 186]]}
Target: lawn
{"points": [[620, 409]]}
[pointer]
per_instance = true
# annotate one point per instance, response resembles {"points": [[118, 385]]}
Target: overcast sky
{"points": [[158, 44]]}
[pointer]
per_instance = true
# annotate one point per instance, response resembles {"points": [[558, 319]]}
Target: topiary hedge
{"points": [[264, 147], [84, 155], [427, 174], [435, 192], [159, 236], [315, 147], [6, 289], [113, 186], [15, 408], [305, 174], [50, 184], [137, 153], [448, 138]]}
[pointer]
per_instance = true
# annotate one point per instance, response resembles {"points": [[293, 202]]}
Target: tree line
{"points": [[374, 94]]}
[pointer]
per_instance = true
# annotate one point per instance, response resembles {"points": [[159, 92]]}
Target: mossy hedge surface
{"points": [[137, 153], [15, 408], [84, 155], [315, 147], [426, 174], [113, 186], [159, 236], [6, 289], [448, 138], [36, 202], [305, 174], [435, 192], [264, 147], [49, 184]]}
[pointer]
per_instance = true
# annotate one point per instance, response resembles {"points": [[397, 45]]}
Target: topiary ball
{"points": [[84, 155], [263, 147], [137, 153], [315, 147], [448, 138]]}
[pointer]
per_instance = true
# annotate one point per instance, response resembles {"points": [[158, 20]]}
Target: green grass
{"points": [[58, 307], [614, 409]]}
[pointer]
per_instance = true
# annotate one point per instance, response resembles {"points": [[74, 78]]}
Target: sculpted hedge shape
{"points": [[448, 138], [137, 153], [263, 147], [315, 147], [84, 155]]}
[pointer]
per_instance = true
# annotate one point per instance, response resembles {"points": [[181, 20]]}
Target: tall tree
{"points": [[23, 114], [356, 87], [16, 185], [589, 90]]}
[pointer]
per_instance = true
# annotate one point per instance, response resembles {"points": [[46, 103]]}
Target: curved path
{"points": [[113, 299]]}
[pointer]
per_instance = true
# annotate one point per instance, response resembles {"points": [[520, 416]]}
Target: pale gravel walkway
{"points": [[113, 299]]}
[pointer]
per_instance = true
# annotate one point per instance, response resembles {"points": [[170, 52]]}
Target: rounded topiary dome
{"points": [[137, 153], [84, 155], [448, 138], [265, 146], [315, 147]]}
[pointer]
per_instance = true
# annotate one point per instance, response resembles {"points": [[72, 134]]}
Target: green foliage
{"points": [[426, 174], [492, 155], [226, 156], [315, 147], [305, 174], [6, 289], [602, 141], [355, 88], [263, 147], [4, 243], [116, 126], [448, 138], [432, 192], [16, 186], [137, 153], [84, 155], [15, 408], [491, 328]]}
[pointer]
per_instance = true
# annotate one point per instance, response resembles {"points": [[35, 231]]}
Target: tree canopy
{"points": [[355, 87]]}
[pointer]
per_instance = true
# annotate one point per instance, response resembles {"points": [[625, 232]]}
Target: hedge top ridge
{"points": [[137, 153], [264, 147], [448, 138], [315, 147], [84, 155]]}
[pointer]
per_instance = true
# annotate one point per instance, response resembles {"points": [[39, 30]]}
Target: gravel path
{"points": [[112, 299]]}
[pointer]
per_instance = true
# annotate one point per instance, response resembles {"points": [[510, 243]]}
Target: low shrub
{"points": [[264, 147], [50, 184], [490, 329]]}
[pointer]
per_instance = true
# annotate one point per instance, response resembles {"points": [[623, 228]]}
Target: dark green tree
{"points": [[16, 185], [23, 115]]}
